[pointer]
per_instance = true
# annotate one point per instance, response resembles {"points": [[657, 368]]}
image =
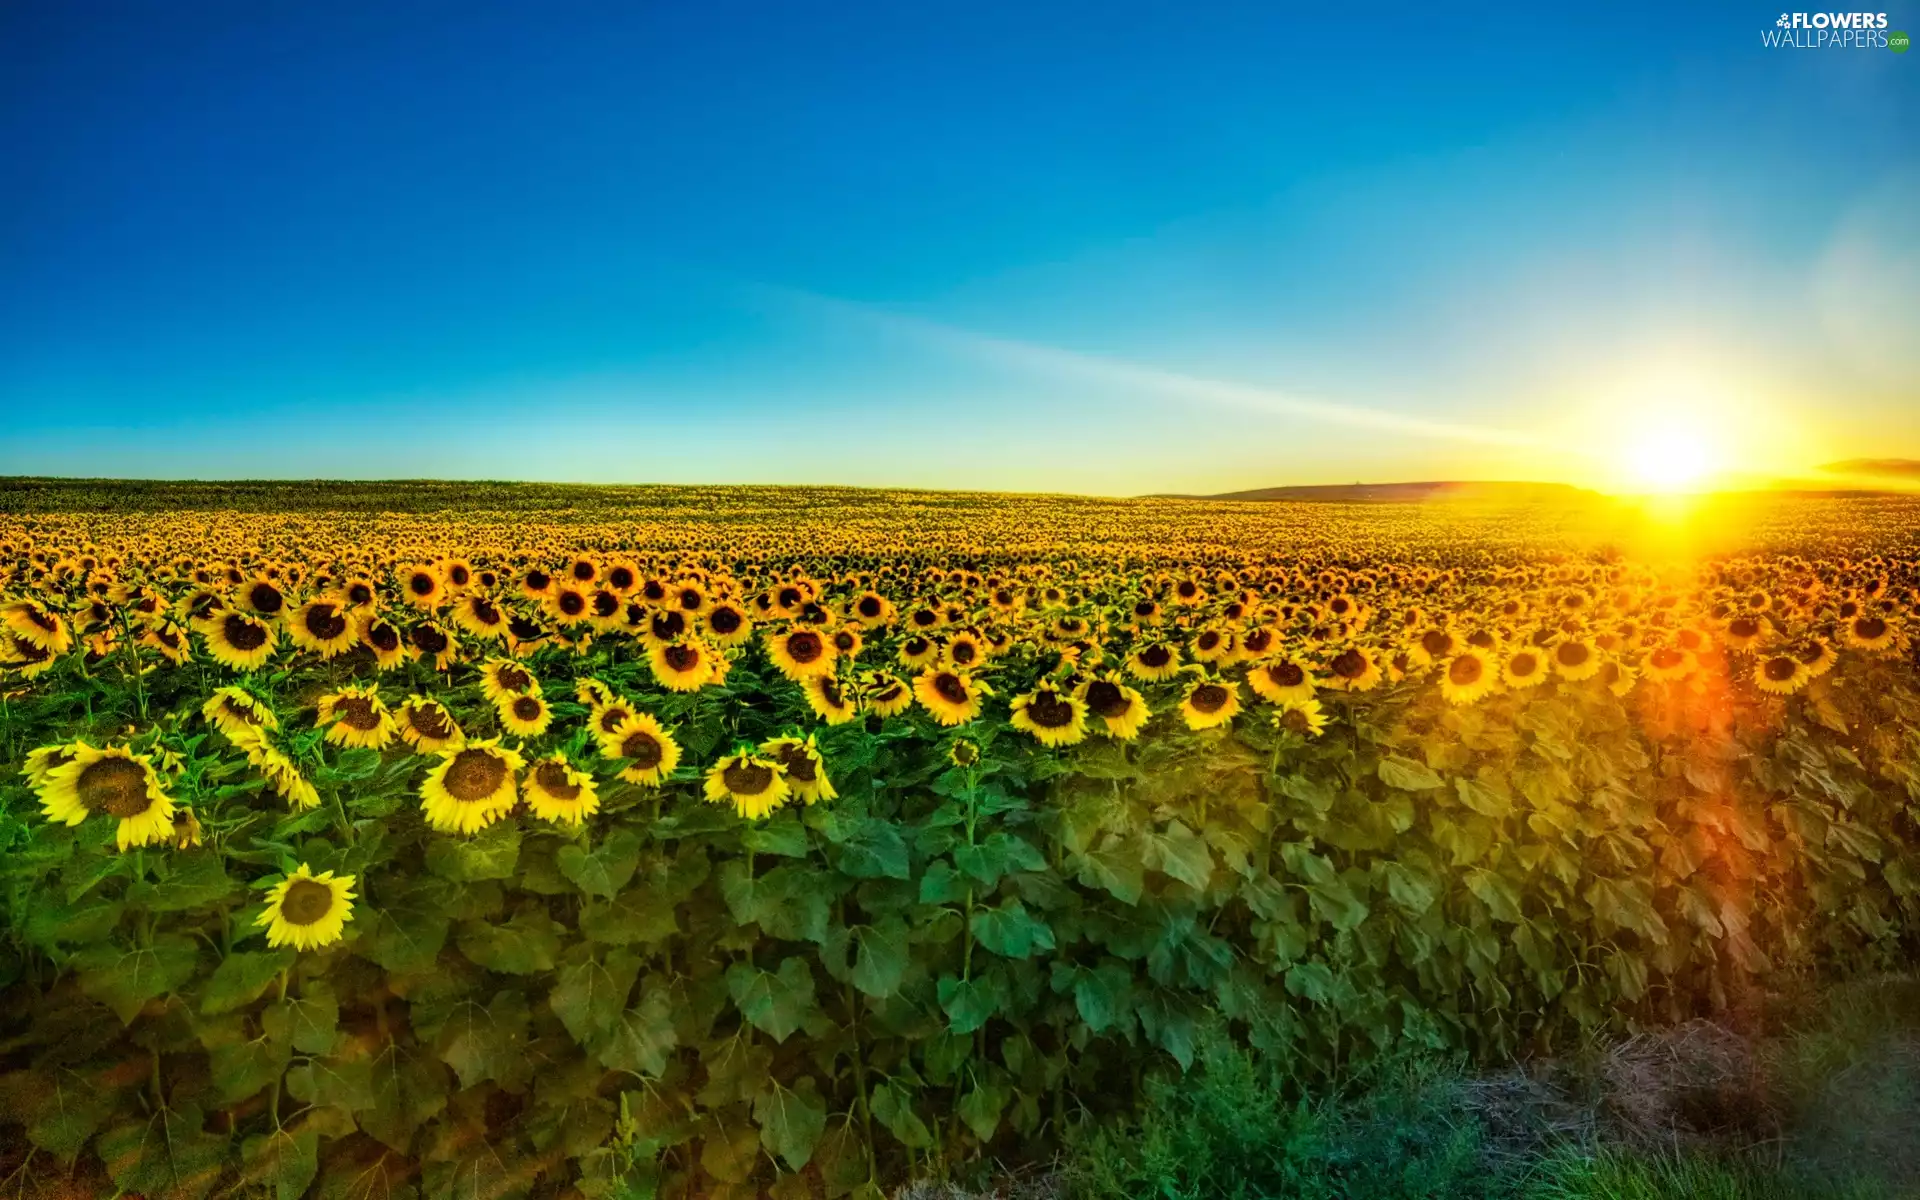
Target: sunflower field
{"points": [[505, 842]]}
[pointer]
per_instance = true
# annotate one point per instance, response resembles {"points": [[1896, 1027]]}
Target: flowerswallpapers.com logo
{"points": [[1833, 31]]}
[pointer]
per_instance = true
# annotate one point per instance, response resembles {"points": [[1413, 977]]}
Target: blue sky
{"points": [[1109, 248]]}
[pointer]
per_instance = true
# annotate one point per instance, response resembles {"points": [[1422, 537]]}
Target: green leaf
{"points": [[194, 879], [488, 1043], [941, 884], [61, 1109], [1413, 891], [999, 855], [605, 869], [1113, 869], [638, 915], [641, 1037], [409, 1088], [168, 1156], [284, 1160], [893, 1107], [784, 836], [1500, 894], [489, 854], [874, 849], [1010, 931], [776, 1002], [404, 935], [1311, 981], [333, 1082], [881, 961], [527, 944], [791, 1121], [968, 1003], [980, 1108], [1481, 798], [1179, 852], [240, 979], [309, 1021], [1406, 774], [590, 994], [124, 979]]}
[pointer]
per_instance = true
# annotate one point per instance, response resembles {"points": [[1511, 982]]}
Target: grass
{"points": [[1837, 1085]]}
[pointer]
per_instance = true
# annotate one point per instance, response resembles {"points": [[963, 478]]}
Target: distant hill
{"points": [[1894, 467], [1503, 492]]}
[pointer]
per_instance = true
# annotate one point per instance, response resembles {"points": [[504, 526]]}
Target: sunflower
{"points": [[755, 786], [1153, 661], [263, 598], [800, 652], [36, 625], [1742, 633], [382, 638], [1524, 669], [1303, 717], [1053, 717], [1433, 645], [279, 772], [238, 641], [682, 666], [568, 604], [1669, 662], [726, 623], [1214, 646], [41, 762], [471, 787], [114, 781], [504, 679], [1353, 669], [871, 609], [186, 829], [231, 709], [307, 911], [1209, 703], [592, 692], [1869, 632], [963, 651], [433, 641], [558, 791], [524, 716], [650, 751], [168, 639], [828, 699], [1575, 659], [846, 641], [322, 626], [1817, 656], [1121, 710], [354, 716], [1618, 678], [884, 694], [806, 772], [1281, 681], [427, 726], [1468, 676], [480, 616], [918, 651], [953, 697], [422, 587], [1780, 674]]}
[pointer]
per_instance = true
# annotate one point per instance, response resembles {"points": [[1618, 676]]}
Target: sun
{"points": [[1671, 455]]}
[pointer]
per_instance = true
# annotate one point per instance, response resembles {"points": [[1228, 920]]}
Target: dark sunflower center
{"points": [[1156, 657], [1481, 640], [526, 708], [610, 719], [886, 695], [1050, 711], [430, 722], [1106, 699], [583, 570], [948, 687], [681, 657], [242, 634], [458, 576], [668, 625], [384, 637], [525, 629], [804, 647], [1744, 627], [115, 786], [324, 622], [790, 597], [1287, 674], [553, 780], [513, 679], [538, 580], [747, 778], [1208, 640], [572, 603], [474, 775], [870, 607], [798, 763], [1258, 641], [830, 693], [1870, 628], [1523, 665], [420, 583], [1572, 654], [265, 598], [1349, 664], [724, 621], [359, 593], [691, 599], [605, 603], [1781, 668], [1666, 657], [356, 712], [1208, 698], [643, 748], [916, 646], [306, 901], [429, 640], [620, 577], [1812, 654], [1466, 670], [964, 653], [239, 712]]}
